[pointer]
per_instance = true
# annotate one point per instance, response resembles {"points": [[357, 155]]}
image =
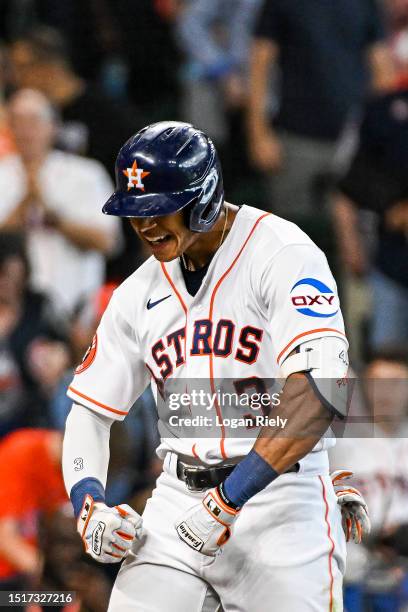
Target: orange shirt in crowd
{"points": [[30, 483], [7, 144]]}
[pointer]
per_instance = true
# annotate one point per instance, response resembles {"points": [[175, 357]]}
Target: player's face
{"points": [[166, 237]]}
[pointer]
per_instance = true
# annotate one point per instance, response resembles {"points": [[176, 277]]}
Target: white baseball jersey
{"points": [[267, 289]]}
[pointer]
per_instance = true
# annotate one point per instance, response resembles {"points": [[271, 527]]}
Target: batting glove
{"points": [[354, 511], [108, 533], [207, 525]]}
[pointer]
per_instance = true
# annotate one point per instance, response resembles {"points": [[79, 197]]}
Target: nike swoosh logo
{"points": [[151, 305]]}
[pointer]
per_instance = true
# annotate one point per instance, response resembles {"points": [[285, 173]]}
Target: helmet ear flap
{"points": [[206, 218], [187, 213]]}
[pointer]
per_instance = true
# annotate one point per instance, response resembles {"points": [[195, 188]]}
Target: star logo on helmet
{"points": [[135, 177]]}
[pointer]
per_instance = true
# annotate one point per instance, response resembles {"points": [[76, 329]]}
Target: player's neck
{"points": [[201, 252]]}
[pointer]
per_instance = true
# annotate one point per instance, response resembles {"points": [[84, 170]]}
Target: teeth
{"points": [[156, 239]]}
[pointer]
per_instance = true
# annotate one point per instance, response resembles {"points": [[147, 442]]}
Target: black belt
{"points": [[201, 478]]}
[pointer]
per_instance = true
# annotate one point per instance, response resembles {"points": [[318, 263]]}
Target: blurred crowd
{"points": [[307, 103]]}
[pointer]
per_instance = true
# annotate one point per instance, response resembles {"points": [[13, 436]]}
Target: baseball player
{"points": [[244, 515]]}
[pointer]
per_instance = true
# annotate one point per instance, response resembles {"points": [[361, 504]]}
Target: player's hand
{"points": [[354, 511], [207, 525], [108, 533]]}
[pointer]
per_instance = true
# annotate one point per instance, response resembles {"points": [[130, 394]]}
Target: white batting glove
{"points": [[207, 525], [354, 512], [108, 533]]}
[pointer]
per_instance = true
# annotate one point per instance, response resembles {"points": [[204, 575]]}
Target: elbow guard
{"points": [[325, 363]]}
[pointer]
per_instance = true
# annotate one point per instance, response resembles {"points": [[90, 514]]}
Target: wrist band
{"points": [[225, 498], [86, 486], [250, 476]]}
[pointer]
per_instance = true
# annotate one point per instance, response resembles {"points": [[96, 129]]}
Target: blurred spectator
{"points": [[55, 198], [33, 350], [215, 37], [322, 49], [375, 573], [87, 26], [92, 124], [31, 484], [110, 42], [377, 180]]}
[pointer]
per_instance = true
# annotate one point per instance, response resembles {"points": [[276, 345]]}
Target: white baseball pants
{"points": [[286, 552]]}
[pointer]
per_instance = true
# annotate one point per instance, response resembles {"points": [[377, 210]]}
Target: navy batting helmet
{"points": [[167, 167]]}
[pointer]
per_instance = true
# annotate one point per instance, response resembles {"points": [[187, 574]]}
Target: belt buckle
{"points": [[192, 470]]}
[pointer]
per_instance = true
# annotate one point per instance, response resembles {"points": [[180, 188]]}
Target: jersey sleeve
{"points": [[299, 295], [112, 374]]}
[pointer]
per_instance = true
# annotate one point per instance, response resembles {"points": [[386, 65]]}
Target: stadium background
{"points": [[101, 70]]}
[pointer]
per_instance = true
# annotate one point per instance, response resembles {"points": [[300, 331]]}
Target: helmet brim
{"points": [[150, 204]]}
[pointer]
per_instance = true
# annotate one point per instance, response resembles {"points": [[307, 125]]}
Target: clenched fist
{"points": [[206, 526], [108, 533]]}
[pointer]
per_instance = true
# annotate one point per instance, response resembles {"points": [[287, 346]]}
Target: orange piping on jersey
{"points": [[312, 331], [326, 518], [193, 450], [210, 315], [96, 403], [173, 286], [184, 307]]}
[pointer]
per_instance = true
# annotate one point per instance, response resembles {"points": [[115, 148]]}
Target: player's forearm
{"points": [[307, 421], [274, 452], [85, 456]]}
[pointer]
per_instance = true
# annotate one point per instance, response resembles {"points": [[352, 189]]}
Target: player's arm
{"points": [[308, 402], [307, 420], [107, 533], [106, 384]]}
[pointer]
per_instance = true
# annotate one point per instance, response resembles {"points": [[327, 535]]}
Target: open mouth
{"points": [[159, 240]]}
